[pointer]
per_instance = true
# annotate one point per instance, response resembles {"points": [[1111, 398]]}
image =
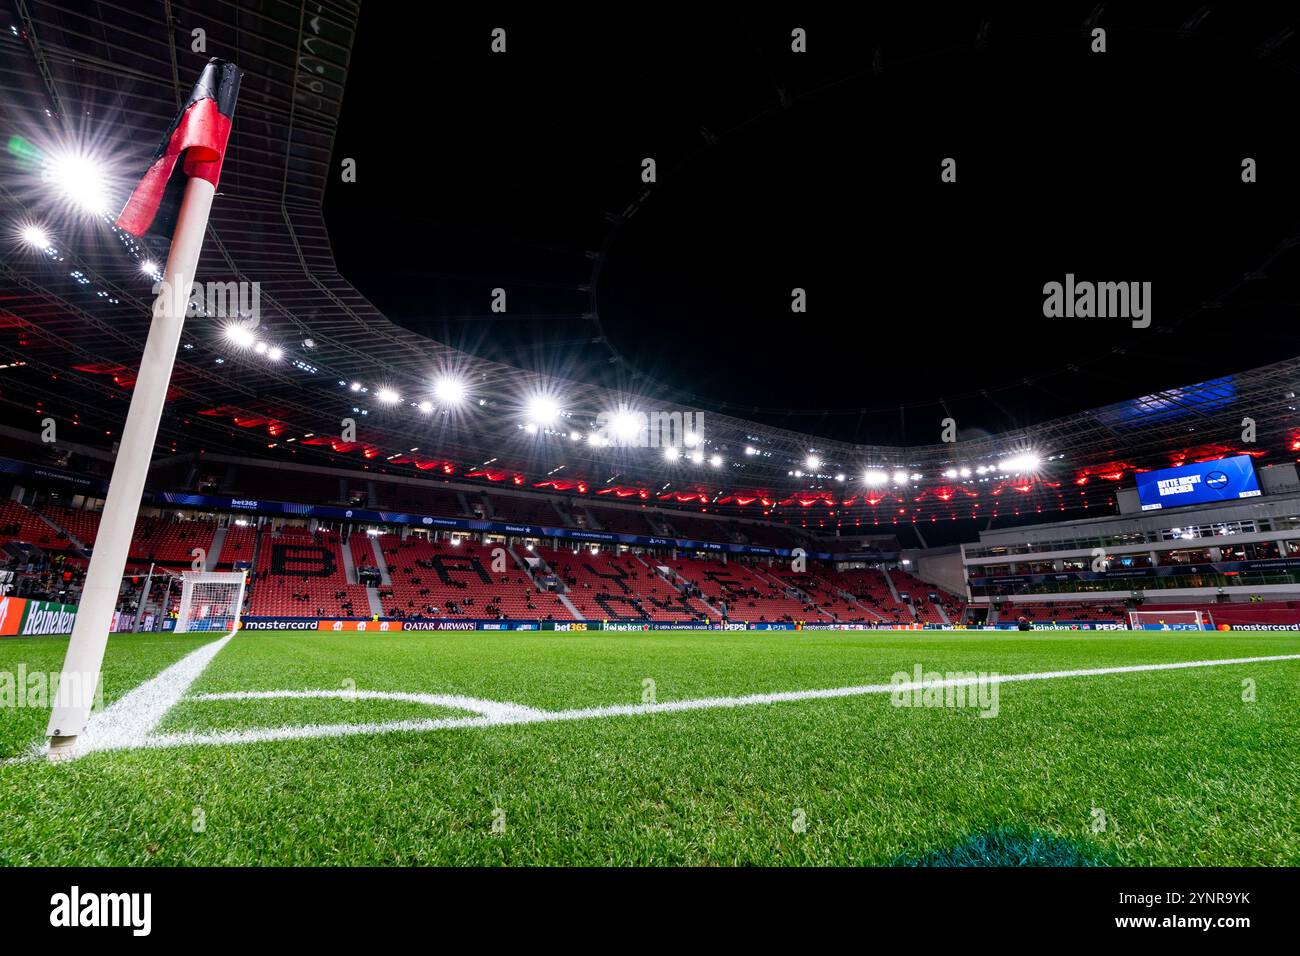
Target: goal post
{"points": [[210, 601], [1183, 620]]}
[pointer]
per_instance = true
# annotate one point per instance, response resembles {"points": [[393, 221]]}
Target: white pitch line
{"points": [[129, 721], [477, 705], [522, 715]]}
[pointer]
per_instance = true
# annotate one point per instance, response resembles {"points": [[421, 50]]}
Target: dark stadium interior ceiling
{"points": [[821, 171], [522, 172]]}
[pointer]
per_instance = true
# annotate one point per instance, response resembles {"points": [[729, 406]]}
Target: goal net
{"points": [[1170, 620], [210, 601]]}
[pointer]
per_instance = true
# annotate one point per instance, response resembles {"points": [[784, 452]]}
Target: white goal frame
{"points": [[1202, 619], [215, 590]]}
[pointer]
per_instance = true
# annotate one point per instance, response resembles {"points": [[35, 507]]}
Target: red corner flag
{"points": [[199, 131]]}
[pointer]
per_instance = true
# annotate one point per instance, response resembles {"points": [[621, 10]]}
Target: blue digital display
{"points": [[1224, 480]]}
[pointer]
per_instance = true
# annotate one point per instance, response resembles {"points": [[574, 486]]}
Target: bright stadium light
{"points": [[716, 461], [449, 390], [355, 387], [35, 236], [1019, 464], [149, 267], [625, 425], [875, 478], [900, 477], [426, 407], [697, 457], [813, 463], [690, 439], [240, 335], [275, 353], [388, 396], [543, 410], [965, 472], [260, 348], [950, 473], [81, 181], [751, 450], [671, 453]]}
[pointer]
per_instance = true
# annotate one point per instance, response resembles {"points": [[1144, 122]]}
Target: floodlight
{"points": [[875, 478], [388, 396], [716, 461], [543, 409], [1028, 461], [626, 425], [240, 335], [813, 463], [697, 457], [671, 453], [35, 236], [449, 390], [900, 477], [425, 407], [275, 353], [81, 181]]}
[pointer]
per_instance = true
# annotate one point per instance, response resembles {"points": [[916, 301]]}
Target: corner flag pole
{"points": [[196, 141]]}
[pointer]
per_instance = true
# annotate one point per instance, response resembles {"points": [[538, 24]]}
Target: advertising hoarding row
{"points": [[24, 617]]}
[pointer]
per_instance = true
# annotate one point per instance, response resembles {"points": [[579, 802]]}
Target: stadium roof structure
{"points": [[75, 310]]}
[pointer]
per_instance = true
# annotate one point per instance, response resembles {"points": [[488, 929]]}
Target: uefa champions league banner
{"points": [[23, 617]]}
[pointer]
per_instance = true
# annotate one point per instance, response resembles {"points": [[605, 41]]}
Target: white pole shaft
{"points": [[81, 666]]}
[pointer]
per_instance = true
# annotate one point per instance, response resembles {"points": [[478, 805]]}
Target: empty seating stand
{"points": [[302, 575], [440, 580], [606, 586]]}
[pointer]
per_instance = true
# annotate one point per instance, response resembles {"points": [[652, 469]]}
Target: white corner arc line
{"points": [[512, 715]]}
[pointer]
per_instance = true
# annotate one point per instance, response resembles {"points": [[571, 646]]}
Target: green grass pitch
{"points": [[1175, 767]]}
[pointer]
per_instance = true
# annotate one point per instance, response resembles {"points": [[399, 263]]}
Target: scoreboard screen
{"points": [[1224, 480]]}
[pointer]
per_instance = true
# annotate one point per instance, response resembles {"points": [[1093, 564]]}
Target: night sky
{"points": [[822, 171]]}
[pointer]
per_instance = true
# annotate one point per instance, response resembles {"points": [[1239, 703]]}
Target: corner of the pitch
{"points": [[62, 749]]}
